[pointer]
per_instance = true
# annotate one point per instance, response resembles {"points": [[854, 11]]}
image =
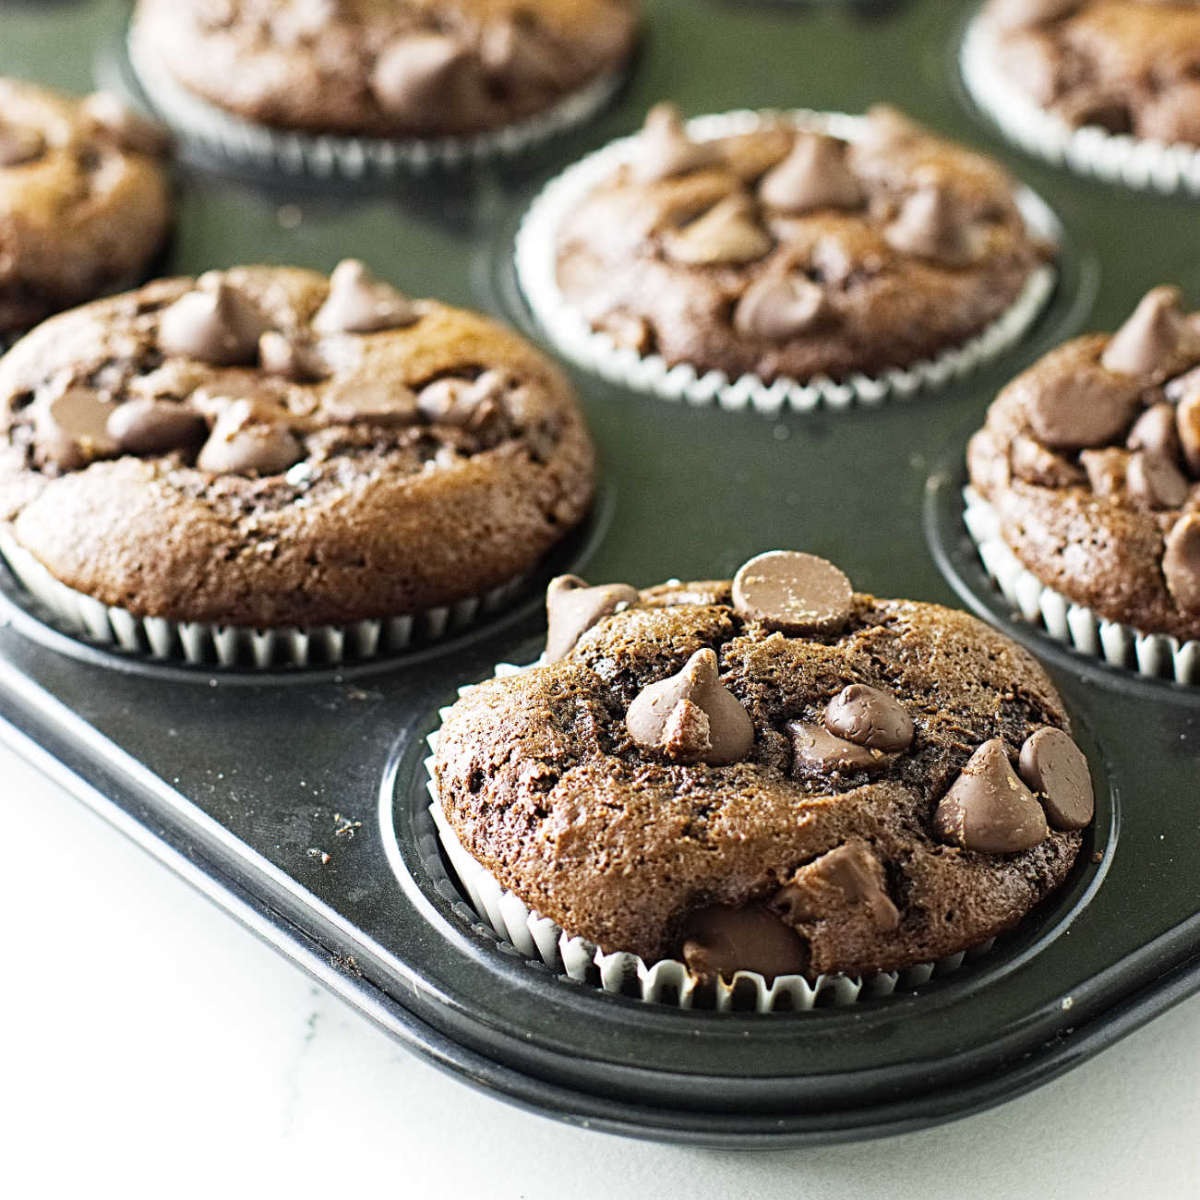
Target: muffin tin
{"points": [[296, 799]]}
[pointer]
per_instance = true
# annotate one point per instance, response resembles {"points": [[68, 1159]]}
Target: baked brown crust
{"points": [[878, 305], [81, 215], [1072, 516], [377, 515], [1129, 66], [543, 785], [321, 66]]}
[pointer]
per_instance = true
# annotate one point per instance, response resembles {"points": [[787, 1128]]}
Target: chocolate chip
{"points": [[1033, 463], [1187, 425], [360, 303], [692, 716], [20, 145], [816, 751], [216, 323], [988, 808], [931, 226], [1106, 470], [514, 49], [1155, 481], [249, 439], [291, 357], [1072, 405], [847, 877], [370, 403], [428, 76], [793, 592], [71, 429], [572, 608], [663, 149], [1181, 562], [728, 233], [1156, 341], [870, 717], [779, 308], [454, 401], [1154, 431], [155, 426], [127, 127], [814, 175], [721, 940], [1182, 385], [1054, 767]]}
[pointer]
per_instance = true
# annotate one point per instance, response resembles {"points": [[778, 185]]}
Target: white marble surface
{"points": [[147, 1040]]}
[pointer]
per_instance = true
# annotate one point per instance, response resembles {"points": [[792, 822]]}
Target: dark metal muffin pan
{"points": [[279, 794]]}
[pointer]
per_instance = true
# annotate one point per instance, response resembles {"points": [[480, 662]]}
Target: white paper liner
{"points": [[666, 982], [324, 156], [1153, 654], [205, 644], [537, 271], [1091, 150]]}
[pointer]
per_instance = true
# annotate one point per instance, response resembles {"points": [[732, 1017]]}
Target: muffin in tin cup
{"points": [[267, 465], [1106, 87], [1084, 498], [768, 792], [355, 88], [785, 259]]}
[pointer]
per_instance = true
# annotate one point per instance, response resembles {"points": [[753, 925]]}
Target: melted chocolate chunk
{"points": [[155, 427], [720, 941], [870, 717], [816, 751], [847, 877]]}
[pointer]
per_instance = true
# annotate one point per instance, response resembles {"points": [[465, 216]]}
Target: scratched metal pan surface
{"points": [[296, 800]]}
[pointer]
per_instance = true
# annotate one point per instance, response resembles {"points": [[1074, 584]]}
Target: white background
{"points": [[151, 1047]]}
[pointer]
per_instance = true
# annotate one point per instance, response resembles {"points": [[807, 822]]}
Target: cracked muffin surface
{"points": [[791, 252], [269, 446], [1128, 66], [84, 204], [386, 68], [1091, 461], [845, 822]]}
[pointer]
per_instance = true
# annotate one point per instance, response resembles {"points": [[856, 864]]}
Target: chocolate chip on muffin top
{"points": [[788, 251], [1092, 460], [683, 778], [265, 445]]}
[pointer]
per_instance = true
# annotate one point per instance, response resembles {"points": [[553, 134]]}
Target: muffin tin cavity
{"points": [[425, 855]]}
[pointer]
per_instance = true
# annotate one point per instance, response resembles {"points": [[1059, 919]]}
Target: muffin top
{"points": [[773, 774], [1092, 460], [790, 252], [382, 67], [271, 446], [1131, 66], [83, 198]]}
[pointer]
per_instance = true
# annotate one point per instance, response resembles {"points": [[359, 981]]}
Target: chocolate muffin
{"points": [[1090, 460], [773, 774], [792, 247], [84, 204], [1126, 66], [268, 446], [382, 69]]}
